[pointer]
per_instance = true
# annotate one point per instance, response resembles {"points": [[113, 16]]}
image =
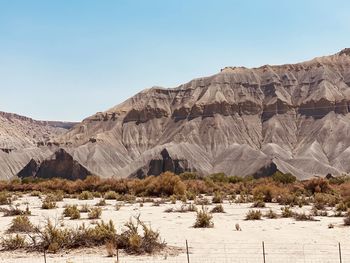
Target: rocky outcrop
{"points": [[163, 163], [61, 164], [30, 170]]}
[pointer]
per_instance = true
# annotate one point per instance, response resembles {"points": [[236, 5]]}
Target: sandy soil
{"points": [[285, 239]]}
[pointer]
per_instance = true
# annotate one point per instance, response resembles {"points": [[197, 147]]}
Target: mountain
{"points": [[242, 121], [22, 138]]}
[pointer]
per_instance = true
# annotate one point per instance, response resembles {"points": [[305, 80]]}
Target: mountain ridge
{"points": [[241, 121]]}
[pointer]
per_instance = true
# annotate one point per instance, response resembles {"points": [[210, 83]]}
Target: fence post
{"points": [[339, 248], [44, 255], [188, 256], [263, 247], [117, 255]]}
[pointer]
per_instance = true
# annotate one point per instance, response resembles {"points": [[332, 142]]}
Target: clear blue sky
{"points": [[67, 59]]}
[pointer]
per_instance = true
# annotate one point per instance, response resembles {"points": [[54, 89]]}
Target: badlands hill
{"points": [[293, 118], [22, 138]]}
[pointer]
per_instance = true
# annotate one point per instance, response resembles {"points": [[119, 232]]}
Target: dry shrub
{"points": [[265, 192], [48, 203], [111, 195], [259, 204], [217, 198], [317, 185], [15, 211], [111, 249], [341, 207], [190, 195], [182, 209], [166, 184], [71, 211], [127, 198], [135, 243], [102, 202], [85, 208], [5, 198], [86, 195], [20, 224], [203, 219], [347, 219], [271, 214], [54, 239], [13, 242], [253, 215], [303, 217], [217, 209], [35, 193], [202, 201], [322, 200], [286, 212], [95, 213]]}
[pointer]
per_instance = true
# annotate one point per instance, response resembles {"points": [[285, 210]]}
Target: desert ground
{"points": [[285, 239]]}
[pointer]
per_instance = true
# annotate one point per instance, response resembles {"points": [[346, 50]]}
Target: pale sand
{"points": [[286, 240]]}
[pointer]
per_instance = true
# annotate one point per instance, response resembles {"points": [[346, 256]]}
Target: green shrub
{"points": [[283, 178]]}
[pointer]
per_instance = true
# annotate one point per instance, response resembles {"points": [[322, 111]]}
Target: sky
{"points": [[68, 59]]}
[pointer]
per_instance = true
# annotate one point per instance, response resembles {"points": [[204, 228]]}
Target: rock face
{"points": [[23, 139], [163, 163], [60, 164], [293, 118]]}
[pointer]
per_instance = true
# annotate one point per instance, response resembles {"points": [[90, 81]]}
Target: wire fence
{"points": [[206, 252]]}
